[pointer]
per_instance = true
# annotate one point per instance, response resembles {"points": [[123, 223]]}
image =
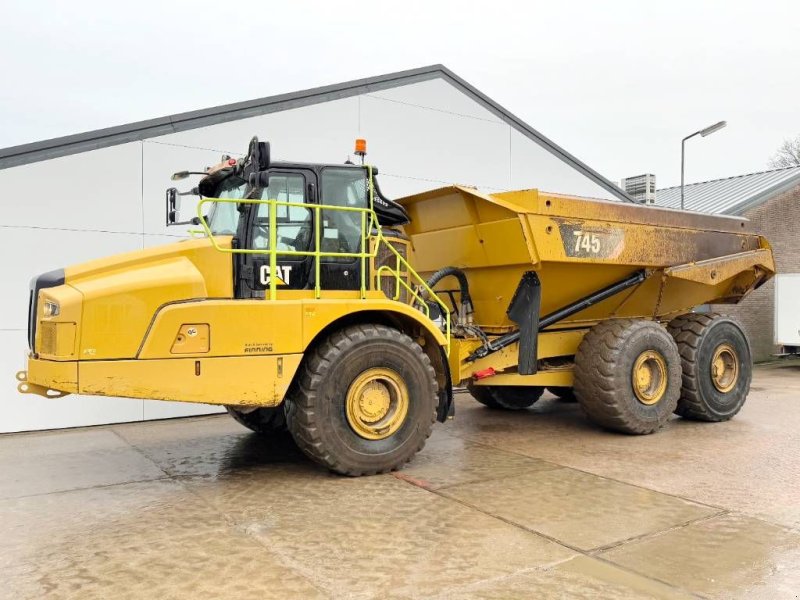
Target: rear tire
{"points": [[628, 375], [565, 394], [506, 397], [717, 366], [264, 421], [364, 401]]}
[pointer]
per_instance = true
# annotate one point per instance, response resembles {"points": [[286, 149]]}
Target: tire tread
{"points": [[597, 385], [303, 420], [688, 331]]}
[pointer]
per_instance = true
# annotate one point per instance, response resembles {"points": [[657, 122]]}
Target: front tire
{"points": [[717, 366], [628, 375], [364, 401], [506, 397]]}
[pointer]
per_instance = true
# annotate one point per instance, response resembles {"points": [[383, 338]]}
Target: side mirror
{"points": [[259, 154], [173, 206], [257, 163], [184, 174]]}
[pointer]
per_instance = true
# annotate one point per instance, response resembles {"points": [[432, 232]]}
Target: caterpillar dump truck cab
{"points": [[310, 301]]}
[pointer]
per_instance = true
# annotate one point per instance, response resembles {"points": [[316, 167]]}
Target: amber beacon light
{"points": [[361, 148]]}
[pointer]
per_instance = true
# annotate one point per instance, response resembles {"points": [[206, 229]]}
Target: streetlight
{"points": [[703, 132]]}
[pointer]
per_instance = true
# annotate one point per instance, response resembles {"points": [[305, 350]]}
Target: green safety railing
{"points": [[369, 221]]}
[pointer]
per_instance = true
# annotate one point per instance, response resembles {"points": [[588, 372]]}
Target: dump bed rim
{"points": [[574, 207]]}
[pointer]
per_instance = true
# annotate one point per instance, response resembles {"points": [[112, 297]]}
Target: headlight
{"points": [[51, 309]]}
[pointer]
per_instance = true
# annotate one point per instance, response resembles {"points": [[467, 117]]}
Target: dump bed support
{"points": [[552, 318]]}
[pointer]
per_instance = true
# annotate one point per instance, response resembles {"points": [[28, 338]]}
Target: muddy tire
{"points": [[565, 394], [263, 421], [505, 397], [717, 366], [628, 375], [364, 401]]}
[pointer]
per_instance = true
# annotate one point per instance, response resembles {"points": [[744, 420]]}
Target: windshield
{"points": [[224, 216]]}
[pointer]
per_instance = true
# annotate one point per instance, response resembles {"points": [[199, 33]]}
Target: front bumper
{"points": [[48, 378], [234, 380]]}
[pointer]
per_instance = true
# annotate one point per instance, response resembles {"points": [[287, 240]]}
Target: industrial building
{"points": [[89, 195], [771, 200], [425, 128]]}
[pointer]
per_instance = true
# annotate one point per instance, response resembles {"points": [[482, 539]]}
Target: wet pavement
{"points": [[531, 504]]}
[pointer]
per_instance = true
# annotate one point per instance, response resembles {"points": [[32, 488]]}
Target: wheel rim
{"points": [[649, 377], [377, 403], [725, 368]]}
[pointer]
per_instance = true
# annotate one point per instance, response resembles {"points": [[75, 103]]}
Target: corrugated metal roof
{"points": [[732, 195]]}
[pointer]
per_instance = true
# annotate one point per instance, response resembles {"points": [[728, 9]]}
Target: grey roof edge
{"points": [[763, 196], [101, 138], [686, 185], [139, 130]]}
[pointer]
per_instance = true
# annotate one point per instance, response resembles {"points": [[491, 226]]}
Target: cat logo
{"points": [[284, 272]]}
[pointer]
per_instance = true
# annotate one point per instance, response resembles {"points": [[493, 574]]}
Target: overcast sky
{"points": [[616, 83]]}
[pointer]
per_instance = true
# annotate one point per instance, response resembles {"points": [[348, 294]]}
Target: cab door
{"points": [[294, 232], [346, 187]]}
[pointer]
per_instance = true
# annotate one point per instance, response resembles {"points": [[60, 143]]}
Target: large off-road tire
{"points": [[717, 366], [364, 400], [261, 420], [628, 375], [565, 394], [506, 397]]}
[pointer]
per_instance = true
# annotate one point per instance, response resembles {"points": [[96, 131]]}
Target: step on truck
{"points": [[307, 300]]}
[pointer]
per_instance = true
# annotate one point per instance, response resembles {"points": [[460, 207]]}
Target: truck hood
{"points": [[120, 295]]}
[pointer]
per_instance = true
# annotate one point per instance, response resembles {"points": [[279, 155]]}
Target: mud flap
{"points": [[524, 311], [446, 407]]}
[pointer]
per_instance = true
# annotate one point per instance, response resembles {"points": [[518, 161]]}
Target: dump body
{"points": [[577, 246]]}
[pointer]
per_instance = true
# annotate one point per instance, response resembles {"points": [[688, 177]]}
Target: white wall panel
{"points": [[30, 252], [420, 143], [152, 239], [319, 133], [397, 186], [26, 412], [534, 167], [98, 190], [437, 94]]}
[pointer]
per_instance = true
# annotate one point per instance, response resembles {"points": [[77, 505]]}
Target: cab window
{"points": [[294, 230], [346, 187], [224, 216]]}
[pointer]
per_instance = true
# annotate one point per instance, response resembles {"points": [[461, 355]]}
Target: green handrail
{"points": [[369, 220]]}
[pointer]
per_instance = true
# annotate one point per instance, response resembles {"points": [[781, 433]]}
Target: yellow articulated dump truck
{"points": [[309, 301]]}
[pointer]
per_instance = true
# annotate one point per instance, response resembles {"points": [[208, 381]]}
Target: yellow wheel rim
{"points": [[725, 368], [649, 377], [377, 403]]}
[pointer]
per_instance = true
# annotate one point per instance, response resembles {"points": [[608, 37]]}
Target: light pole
{"points": [[703, 132]]}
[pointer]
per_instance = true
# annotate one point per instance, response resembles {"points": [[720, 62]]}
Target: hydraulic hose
{"points": [[466, 300]]}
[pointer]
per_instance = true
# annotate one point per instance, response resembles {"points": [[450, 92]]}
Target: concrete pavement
{"points": [[530, 504]]}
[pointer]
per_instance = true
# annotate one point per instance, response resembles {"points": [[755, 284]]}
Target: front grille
{"points": [[48, 342]]}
